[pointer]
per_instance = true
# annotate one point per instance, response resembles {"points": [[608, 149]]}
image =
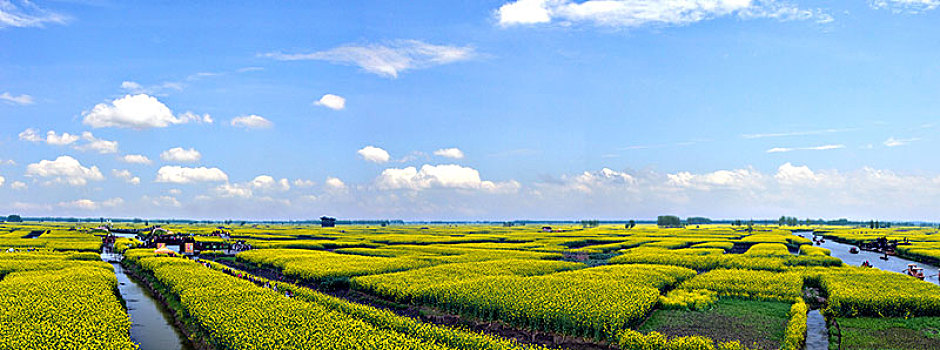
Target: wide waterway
{"points": [[893, 264]]}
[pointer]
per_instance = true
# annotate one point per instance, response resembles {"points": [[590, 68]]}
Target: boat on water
{"points": [[914, 271], [853, 250]]}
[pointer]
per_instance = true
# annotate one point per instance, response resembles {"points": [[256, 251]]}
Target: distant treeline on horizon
{"points": [[689, 221]]}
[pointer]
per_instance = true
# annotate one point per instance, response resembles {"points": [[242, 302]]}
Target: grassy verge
{"points": [[890, 333], [756, 324]]}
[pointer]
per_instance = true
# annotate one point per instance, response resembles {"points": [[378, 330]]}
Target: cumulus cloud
{"points": [[331, 101], [136, 159], [139, 112], [334, 184], [438, 176], [789, 174], [183, 175], [64, 169], [87, 204], [302, 183], [374, 154], [233, 190], [163, 201], [60, 140], [97, 145], [638, 13], [18, 185], [252, 122], [30, 135], [26, 14], [388, 59], [261, 183], [125, 175], [181, 155], [906, 6], [21, 100], [738, 178], [2, 180], [267, 182], [454, 153]]}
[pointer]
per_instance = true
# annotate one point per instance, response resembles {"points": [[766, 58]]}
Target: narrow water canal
{"points": [[151, 327], [817, 334]]}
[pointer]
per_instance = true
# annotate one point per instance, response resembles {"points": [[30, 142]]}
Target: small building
{"points": [[326, 221], [546, 229]]}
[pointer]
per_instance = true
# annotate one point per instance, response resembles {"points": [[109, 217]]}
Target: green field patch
{"points": [[890, 333], [756, 324]]}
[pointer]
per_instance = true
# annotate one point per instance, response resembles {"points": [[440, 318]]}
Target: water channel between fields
{"points": [[151, 326], [817, 334], [893, 264]]}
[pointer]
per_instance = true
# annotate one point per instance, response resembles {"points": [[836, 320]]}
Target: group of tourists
{"points": [[257, 281]]}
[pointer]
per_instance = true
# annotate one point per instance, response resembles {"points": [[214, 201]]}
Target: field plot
{"points": [[54, 300]]}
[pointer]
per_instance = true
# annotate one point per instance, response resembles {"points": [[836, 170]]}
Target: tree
{"points": [[668, 221], [631, 224], [14, 218]]}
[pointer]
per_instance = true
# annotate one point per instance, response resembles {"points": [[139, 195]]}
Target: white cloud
{"points": [[233, 190], [335, 184], [181, 155], [261, 183], [454, 153], [83, 204], [893, 142], [795, 133], [164, 201], [125, 175], [374, 154], [788, 174], [190, 116], [906, 6], [2, 180], [182, 175], [27, 14], [64, 169], [266, 182], [303, 183], [331, 101], [439, 176], [136, 159], [21, 100], [637, 13], [30, 135], [97, 145], [387, 60], [252, 122], [19, 185], [139, 112], [158, 89], [738, 178], [816, 148], [59, 140]]}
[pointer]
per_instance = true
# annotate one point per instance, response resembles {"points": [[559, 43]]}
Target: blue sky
{"points": [[554, 109]]}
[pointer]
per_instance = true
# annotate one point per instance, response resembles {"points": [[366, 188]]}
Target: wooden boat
{"points": [[853, 250], [914, 271]]}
